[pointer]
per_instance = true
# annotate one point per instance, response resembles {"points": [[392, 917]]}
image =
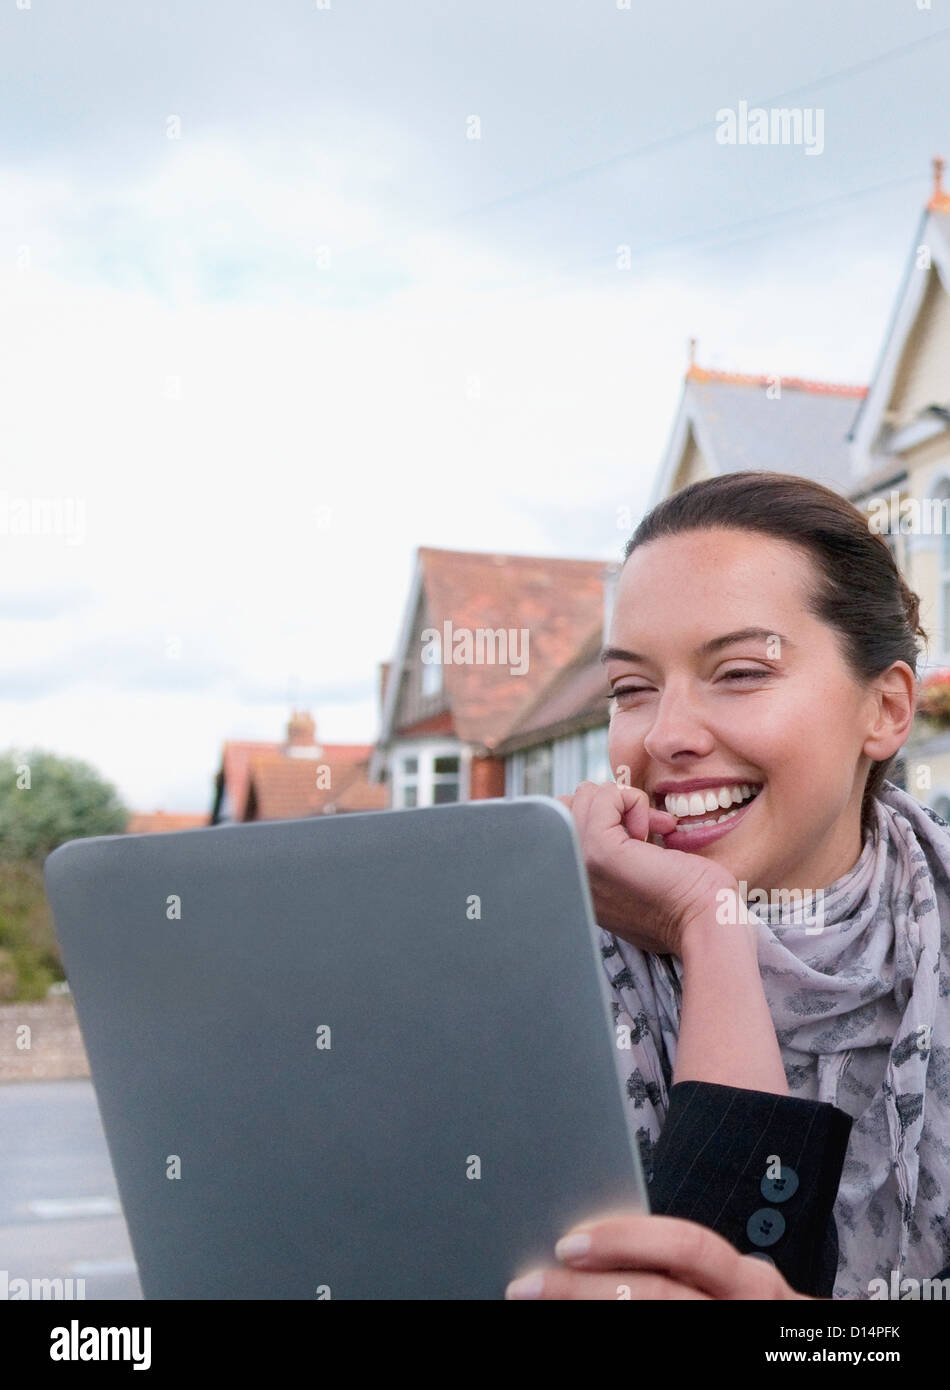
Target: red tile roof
{"points": [[575, 699], [555, 601], [288, 788], [235, 766], [791, 383]]}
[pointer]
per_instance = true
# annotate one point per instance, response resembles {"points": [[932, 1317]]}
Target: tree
{"points": [[46, 800]]}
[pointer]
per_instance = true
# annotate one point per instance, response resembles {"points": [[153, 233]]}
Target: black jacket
{"points": [[712, 1162], [760, 1169]]}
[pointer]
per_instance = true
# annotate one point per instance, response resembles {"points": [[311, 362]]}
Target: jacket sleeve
{"points": [[760, 1169]]}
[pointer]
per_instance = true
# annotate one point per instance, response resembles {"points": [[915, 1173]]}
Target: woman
{"points": [[763, 654]]}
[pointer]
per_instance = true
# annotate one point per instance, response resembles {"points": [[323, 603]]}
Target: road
{"points": [[60, 1215]]}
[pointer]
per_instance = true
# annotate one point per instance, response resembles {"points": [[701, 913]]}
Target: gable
{"points": [[692, 465], [908, 374], [922, 377], [422, 692]]}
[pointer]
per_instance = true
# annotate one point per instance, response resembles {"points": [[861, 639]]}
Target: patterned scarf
{"points": [[862, 1015]]}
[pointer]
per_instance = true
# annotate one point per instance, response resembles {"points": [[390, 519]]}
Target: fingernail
{"points": [[529, 1286], [569, 1247]]}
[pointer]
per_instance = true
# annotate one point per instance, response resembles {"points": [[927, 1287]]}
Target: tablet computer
{"points": [[362, 1056]]}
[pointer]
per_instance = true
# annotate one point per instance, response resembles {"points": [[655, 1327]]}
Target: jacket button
{"points": [[781, 1188], [765, 1226]]}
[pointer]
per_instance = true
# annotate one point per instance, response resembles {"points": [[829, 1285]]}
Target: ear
{"points": [[893, 699]]}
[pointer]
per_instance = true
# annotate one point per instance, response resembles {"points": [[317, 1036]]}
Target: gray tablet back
{"points": [[356, 1056]]}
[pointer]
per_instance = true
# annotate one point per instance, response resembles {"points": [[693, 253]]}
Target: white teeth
{"points": [[695, 803], [697, 825]]}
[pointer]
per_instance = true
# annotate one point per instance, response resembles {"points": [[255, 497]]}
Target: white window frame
{"points": [[425, 778], [580, 757]]}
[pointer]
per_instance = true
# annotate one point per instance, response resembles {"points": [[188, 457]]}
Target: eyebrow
{"points": [[715, 644]]}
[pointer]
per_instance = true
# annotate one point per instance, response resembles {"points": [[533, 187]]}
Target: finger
{"points": [[618, 1285], [682, 1250], [642, 819], [617, 804], [583, 796]]}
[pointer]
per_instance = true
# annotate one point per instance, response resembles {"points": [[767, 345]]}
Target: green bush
{"points": [[29, 955], [45, 800]]}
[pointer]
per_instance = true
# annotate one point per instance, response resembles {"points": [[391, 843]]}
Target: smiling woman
{"points": [[762, 666]]}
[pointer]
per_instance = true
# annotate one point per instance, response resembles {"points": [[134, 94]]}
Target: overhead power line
{"points": [[678, 137]]}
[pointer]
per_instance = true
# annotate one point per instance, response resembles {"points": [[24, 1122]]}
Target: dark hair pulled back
{"points": [[859, 590]]}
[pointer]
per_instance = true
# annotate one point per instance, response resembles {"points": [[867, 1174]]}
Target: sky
{"points": [[291, 289]]}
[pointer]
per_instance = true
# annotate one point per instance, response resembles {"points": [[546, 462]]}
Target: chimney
{"points": [[939, 198], [302, 736], [383, 677]]}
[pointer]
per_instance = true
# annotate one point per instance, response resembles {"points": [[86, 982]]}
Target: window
{"points": [[445, 779], [427, 777], [408, 782], [595, 760], [538, 770]]}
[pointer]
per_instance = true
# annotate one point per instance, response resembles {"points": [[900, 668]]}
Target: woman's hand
{"points": [[642, 892], [631, 1255]]}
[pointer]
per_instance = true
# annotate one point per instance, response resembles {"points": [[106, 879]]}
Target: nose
{"points": [[678, 729]]}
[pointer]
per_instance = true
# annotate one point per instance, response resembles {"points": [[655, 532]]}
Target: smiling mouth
{"points": [[714, 806]]}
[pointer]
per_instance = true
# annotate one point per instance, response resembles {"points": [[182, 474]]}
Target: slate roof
{"points": [[804, 431]]}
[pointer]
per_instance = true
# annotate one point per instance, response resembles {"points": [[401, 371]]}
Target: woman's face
{"points": [[796, 727]]}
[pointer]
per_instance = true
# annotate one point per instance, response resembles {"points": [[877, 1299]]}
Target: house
{"points": [[290, 780], [900, 442], [886, 447], [477, 700], [727, 422], [471, 730]]}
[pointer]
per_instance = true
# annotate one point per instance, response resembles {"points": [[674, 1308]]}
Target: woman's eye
{"points": [[727, 675]]}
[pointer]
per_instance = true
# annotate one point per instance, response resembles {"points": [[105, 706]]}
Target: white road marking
{"points": [[65, 1208]]}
